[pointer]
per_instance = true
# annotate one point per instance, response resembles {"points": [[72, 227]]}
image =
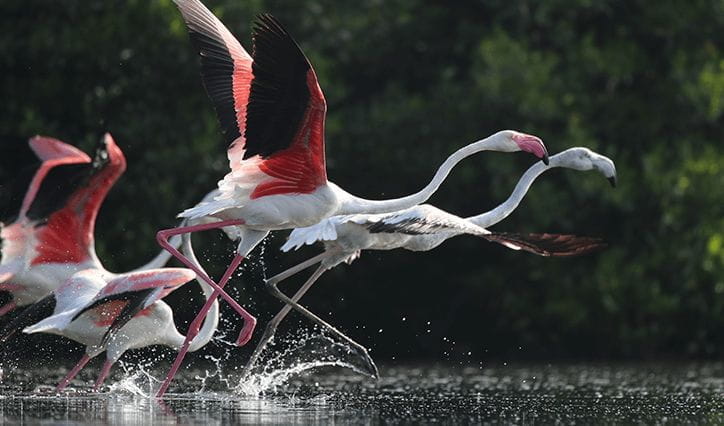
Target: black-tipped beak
{"points": [[612, 181], [545, 158]]}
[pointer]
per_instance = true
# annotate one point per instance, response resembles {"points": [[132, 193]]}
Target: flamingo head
{"points": [[528, 143], [108, 153], [584, 159]]}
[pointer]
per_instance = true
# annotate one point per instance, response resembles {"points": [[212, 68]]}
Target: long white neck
{"points": [[504, 210], [211, 322], [351, 204]]}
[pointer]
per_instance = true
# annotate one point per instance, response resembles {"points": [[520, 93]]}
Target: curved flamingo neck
{"points": [[351, 204], [504, 210]]}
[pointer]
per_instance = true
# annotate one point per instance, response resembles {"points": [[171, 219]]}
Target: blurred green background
{"points": [[407, 82]]}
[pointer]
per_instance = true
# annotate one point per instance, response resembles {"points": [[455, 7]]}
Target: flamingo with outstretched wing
{"points": [[51, 236], [272, 113], [422, 228]]}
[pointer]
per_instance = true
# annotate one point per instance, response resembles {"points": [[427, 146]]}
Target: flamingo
{"points": [[421, 228], [271, 110], [89, 305], [52, 236]]}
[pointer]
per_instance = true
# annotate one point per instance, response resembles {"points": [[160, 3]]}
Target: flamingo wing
{"points": [[126, 296], [324, 230], [417, 220], [67, 205], [286, 112], [35, 312], [270, 105], [225, 71], [557, 245], [29, 199], [17, 195]]}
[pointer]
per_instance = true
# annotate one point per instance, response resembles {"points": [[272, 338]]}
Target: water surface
{"points": [[660, 393]]}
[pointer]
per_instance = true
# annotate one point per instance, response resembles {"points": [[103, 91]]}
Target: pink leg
{"points": [[244, 336], [162, 238], [9, 286], [63, 383], [7, 308], [102, 376]]}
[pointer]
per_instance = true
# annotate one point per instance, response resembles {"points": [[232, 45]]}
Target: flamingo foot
{"points": [[246, 332]]}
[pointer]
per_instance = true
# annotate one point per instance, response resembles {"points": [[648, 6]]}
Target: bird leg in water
{"points": [[74, 372], [104, 373], [271, 327], [272, 287], [195, 326], [249, 320]]}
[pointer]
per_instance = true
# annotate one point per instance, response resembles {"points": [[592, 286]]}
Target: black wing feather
{"points": [[33, 313], [217, 71], [13, 193], [135, 299], [63, 181], [549, 244], [279, 94], [408, 226]]}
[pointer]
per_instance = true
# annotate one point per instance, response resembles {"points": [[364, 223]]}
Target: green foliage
{"points": [[407, 82]]}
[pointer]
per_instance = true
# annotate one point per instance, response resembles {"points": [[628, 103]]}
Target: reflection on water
{"points": [[692, 393]]}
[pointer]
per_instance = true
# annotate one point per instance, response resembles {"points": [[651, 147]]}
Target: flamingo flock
{"points": [[272, 110]]}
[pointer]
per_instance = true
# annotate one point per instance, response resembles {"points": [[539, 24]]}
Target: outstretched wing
{"points": [[35, 312], [129, 294], [270, 107], [21, 200], [417, 220], [325, 230], [17, 195], [67, 205], [225, 71], [548, 244]]}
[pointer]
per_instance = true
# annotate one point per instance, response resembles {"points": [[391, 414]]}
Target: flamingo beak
{"points": [[532, 144], [612, 181]]}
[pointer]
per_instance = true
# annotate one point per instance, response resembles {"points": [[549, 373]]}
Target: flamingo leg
{"points": [[297, 268], [163, 240], [8, 286], [103, 374], [74, 372], [7, 308], [272, 287], [271, 327], [244, 336]]}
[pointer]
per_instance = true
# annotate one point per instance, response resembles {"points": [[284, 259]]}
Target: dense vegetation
{"points": [[407, 82]]}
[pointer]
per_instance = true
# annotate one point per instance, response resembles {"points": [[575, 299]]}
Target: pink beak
{"points": [[532, 144]]}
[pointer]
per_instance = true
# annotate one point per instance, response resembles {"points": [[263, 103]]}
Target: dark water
{"points": [[671, 393]]}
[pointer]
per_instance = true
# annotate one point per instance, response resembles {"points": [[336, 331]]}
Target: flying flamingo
{"points": [[51, 237], [272, 111], [20, 265], [421, 228], [88, 305]]}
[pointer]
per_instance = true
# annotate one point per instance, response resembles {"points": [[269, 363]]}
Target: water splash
{"points": [[291, 356], [137, 381], [270, 381]]}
